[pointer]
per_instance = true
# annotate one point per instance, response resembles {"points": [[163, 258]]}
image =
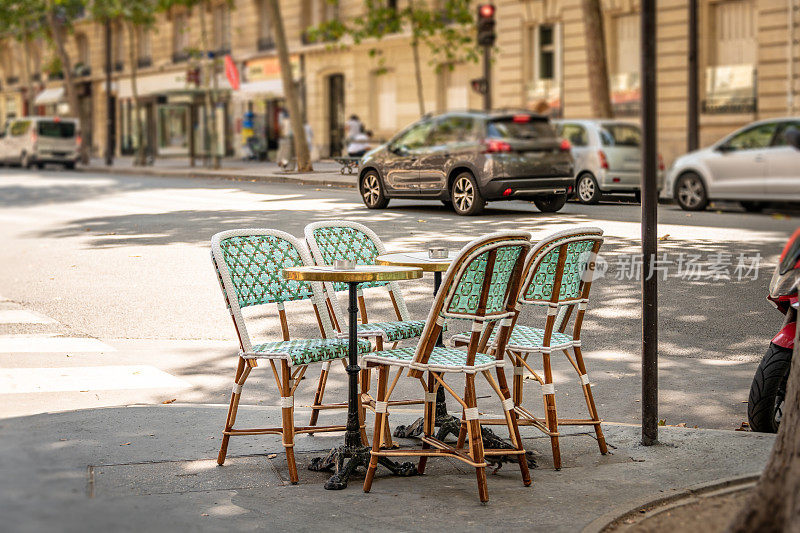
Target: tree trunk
{"points": [[209, 71], [418, 75], [58, 33], [596, 60], [140, 158], [289, 90], [775, 502], [29, 96]]}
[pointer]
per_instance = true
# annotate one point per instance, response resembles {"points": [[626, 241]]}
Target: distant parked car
{"points": [[34, 141], [753, 165], [470, 158], [608, 157]]}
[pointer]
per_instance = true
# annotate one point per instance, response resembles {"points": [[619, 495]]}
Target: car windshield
{"points": [[520, 127], [50, 128], [620, 135]]}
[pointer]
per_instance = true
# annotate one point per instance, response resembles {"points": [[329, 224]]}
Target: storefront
{"points": [[259, 101], [173, 116]]}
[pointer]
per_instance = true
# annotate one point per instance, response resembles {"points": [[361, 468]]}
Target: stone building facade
{"points": [[749, 68]]}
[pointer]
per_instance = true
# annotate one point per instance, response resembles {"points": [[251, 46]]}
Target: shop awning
{"points": [[271, 88], [52, 95]]}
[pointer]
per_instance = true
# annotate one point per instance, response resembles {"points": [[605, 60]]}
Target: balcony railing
{"points": [[144, 62], [265, 43], [180, 57], [82, 70], [11, 80], [730, 106]]}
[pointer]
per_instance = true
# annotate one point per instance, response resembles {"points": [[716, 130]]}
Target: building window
{"points": [[180, 37], [82, 66], [454, 89], [144, 46], [730, 75], [266, 40], [316, 12], [624, 75], [543, 68], [118, 46], [222, 29]]}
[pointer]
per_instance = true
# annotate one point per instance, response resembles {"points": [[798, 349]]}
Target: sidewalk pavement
{"points": [[153, 468], [326, 172]]}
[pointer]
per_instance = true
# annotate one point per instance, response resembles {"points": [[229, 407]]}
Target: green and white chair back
{"points": [[249, 264], [342, 239]]}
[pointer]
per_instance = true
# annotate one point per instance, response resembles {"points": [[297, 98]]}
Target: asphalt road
{"points": [[107, 295]]}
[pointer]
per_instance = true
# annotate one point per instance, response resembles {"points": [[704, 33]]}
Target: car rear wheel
{"points": [[467, 199], [551, 203], [70, 165], [372, 191], [690, 192], [588, 190]]}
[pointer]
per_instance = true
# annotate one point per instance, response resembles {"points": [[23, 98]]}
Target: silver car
{"points": [[470, 158], [608, 157], [35, 141], [753, 165]]}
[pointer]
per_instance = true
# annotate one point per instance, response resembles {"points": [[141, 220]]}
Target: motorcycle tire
{"points": [[768, 389]]}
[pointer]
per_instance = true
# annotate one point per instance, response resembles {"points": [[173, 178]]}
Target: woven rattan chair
{"points": [[341, 239], [558, 276], [481, 285], [249, 265]]}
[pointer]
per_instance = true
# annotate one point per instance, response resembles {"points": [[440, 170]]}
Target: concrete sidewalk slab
{"points": [[152, 468]]}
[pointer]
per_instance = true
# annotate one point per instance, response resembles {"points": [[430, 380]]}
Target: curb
{"points": [[227, 175], [663, 502]]}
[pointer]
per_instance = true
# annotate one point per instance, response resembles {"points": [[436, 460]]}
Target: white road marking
{"points": [[21, 316], [50, 343], [87, 378]]}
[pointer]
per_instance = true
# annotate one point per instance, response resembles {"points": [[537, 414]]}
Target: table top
{"points": [[360, 274], [416, 259]]}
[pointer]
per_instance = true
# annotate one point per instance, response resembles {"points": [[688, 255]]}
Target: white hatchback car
{"points": [[753, 165], [608, 157]]}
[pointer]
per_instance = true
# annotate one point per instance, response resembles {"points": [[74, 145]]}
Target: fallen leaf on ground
{"points": [[664, 237], [169, 401], [126, 444], [779, 216], [744, 427], [681, 425], [662, 422], [420, 220], [204, 514], [272, 456]]}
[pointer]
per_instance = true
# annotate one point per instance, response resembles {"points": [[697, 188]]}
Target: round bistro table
{"points": [[353, 450], [422, 260]]}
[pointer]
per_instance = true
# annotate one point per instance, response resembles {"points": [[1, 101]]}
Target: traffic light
{"points": [[486, 34]]}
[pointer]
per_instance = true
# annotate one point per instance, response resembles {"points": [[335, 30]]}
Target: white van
{"points": [[35, 141]]}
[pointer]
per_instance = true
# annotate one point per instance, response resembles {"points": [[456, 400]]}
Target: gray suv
{"points": [[467, 159]]}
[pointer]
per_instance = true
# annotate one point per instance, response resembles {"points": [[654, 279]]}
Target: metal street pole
{"points": [[487, 77], [109, 101], [692, 141], [649, 227]]}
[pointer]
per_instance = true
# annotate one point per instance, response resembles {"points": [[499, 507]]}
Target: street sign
{"points": [[478, 85]]}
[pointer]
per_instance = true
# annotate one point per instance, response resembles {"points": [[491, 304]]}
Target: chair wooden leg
{"points": [[550, 410], [462, 434], [513, 427], [475, 437], [362, 411], [587, 391], [287, 411], [380, 421], [242, 370], [323, 379], [429, 419]]}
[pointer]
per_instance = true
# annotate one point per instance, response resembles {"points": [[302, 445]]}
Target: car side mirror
{"points": [[398, 149], [792, 137], [724, 148]]}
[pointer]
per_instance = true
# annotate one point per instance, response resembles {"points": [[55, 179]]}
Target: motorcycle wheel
{"points": [[765, 404]]}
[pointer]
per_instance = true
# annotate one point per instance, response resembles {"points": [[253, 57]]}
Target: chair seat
{"points": [[390, 331], [305, 351], [526, 339], [442, 359]]}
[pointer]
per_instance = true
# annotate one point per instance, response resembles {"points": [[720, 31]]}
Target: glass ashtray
{"points": [[343, 264], [437, 253]]}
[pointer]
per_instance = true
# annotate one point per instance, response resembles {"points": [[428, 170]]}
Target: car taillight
{"points": [[78, 141], [494, 146], [34, 137], [661, 163], [565, 145], [603, 161]]}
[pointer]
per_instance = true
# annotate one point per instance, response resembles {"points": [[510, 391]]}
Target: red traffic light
{"points": [[486, 10]]}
